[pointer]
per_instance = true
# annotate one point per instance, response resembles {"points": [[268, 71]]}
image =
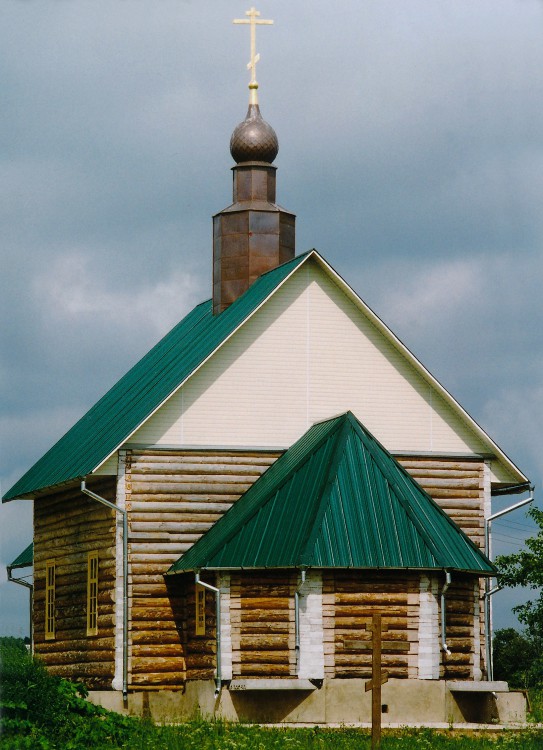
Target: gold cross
{"points": [[253, 20]]}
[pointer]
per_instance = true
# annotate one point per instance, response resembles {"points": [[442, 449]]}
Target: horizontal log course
{"points": [[413, 462], [173, 531], [200, 662], [81, 671], [457, 658], [265, 643], [70, 553], [202, 456], [151, 650], [263, 590], [167, 500], [76, 627], [154, 521], [362, 598], [160, 680], [373, 586], [77, 658], [275, 603], [422, 474], [164, 511], [460, 645], [167, 635], [161, 560], [459, 631], [353, 610], [156, 602], [158, 664], [263, 657], [198, 473], [147, 550], [257, 625], [81, 644], [180, 488], [247, 669], [56, 505], [356, 623]]}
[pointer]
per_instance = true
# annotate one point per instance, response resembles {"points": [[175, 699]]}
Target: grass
{"points": [[42, 712]]}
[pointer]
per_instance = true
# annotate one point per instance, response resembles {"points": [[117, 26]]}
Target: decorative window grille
{"points": [[200, 600], [92, 594], [50, 600]]}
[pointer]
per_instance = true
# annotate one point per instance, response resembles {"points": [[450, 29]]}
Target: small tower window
{"points": [[92, 594], [49, 600]]}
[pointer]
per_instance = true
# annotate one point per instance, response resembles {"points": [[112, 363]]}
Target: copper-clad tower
{"points": [[254, 234]]}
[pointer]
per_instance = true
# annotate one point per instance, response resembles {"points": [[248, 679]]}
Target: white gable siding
{"points": [[309, 353]]}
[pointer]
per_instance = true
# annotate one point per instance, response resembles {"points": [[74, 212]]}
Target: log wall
{"points": [[357, 596], [456, 486], [262, 623], [67, 526], [462, 622], [173, 497]]}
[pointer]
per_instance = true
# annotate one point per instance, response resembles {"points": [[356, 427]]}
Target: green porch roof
{"points": [[335, 499], [110, 422], [25, 559]]}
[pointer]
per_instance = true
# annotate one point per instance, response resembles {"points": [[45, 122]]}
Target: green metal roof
{"points": [[25, 559], [109, 423], [336, 498]]}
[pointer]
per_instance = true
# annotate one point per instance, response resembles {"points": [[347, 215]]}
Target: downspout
{"points": [[216, 591], [30, 588], [489, 591], [297, 620], [124, 513], [443, 613], [488, 639]]}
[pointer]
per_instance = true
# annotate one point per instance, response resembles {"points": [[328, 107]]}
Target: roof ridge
{"points": [[343, 424]]}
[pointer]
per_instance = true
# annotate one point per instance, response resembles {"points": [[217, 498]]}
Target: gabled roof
{"points": [[24, 560], [335, 499], [144, 388], [160, 373]]}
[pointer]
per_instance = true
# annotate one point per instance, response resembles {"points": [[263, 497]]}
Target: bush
{"points": [[39, 710]]}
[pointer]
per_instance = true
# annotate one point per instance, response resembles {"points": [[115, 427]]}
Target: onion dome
{"points": [[254, 139]]}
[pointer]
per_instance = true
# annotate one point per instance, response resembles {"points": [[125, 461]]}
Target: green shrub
{"points": [[43, 711]]}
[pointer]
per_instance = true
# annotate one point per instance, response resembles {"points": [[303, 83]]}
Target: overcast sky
{"points": [[411, 150]]}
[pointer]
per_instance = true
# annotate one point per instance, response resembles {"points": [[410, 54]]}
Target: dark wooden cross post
{"points": [[378, 678]]}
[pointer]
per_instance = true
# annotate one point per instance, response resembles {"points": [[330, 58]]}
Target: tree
{"points": [[524, 568], [515, 656]]}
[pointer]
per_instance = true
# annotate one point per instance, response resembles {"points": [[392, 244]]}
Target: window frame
{"points": [[50, 596], [92, 593], [199, 609]]}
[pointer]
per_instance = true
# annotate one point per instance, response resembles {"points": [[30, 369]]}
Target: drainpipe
{"points": [[443, 613], [489, 591], [124, 513], [216, 591], [30, 588], [297, 620], [488, 644]]}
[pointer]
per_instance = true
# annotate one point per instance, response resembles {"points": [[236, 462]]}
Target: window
{"points": [[49, 600], [92, 594], [200, 610]]}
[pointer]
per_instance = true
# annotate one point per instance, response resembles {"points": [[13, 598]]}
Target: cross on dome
{"points": [[253, 20]]}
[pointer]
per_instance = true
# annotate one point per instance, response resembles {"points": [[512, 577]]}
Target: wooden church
{"points": [[217, 532]]}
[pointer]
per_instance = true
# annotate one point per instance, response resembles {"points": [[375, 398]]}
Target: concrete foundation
{"points": [[337, 701]]}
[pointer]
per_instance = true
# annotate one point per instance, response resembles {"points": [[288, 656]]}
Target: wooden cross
{"points": [[253, 20], [378, 677]]}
